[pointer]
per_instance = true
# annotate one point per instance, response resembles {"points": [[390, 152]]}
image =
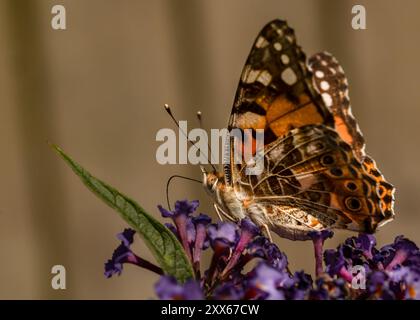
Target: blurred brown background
{"points": [[97, 90]]}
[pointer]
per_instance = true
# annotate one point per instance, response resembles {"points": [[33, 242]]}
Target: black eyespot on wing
{"points": [[353, 203], [381, 190], [351, 186], [336, 172], [327, 160]]}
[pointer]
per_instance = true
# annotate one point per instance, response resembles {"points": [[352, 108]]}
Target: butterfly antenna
{"points": [[200, 119], [209, 154], [169, 182], [169, 111]]}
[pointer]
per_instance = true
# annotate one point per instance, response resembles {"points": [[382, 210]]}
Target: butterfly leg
{"points": [[267, 232], [221, 213], [218, 212]]}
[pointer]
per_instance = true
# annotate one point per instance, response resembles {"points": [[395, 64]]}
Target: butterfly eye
{"points": [[353, 204], [327, 160], [351, 186]]}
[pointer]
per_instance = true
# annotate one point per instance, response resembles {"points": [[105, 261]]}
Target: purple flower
{"points": [[367, 243], [201, 241], [248, 231], [181, 217], [329, 289], [183, 207], [126, 237], [222, 235], [404, 248], [229, 291], [302, 286], [380, 287], [360, 247], [123, 254], [334, 261], [262, 248], [384, 256], [318, 239], [412, 284], [269, 283], [320, 235], [392, 272], [167, 288], [407, 280]]}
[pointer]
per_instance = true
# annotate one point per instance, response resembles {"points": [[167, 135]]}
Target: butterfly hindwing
{"points": [[331, 83], [313, 176]]}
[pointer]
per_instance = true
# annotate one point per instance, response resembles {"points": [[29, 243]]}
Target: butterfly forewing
{"points": [[275, 92]]}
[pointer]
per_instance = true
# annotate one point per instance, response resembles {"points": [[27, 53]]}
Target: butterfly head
{"points": [[211, 181]]}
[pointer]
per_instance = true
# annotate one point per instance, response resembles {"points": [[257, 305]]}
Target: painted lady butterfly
{"points": [[317, 175]]}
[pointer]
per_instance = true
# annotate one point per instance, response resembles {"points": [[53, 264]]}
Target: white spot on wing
{"points": [[264, 78], [250, 75], [279, 32], [327, 99], [285, 59], [261, 42], [289, 76], [277, 46], [289, 38], [325, 85], [319, 74]]}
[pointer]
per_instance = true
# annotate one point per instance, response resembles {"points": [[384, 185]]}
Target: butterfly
{"points": [[316, 173]]}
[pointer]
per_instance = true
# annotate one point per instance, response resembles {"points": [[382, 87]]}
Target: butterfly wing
{"points": [[331, 83], [275, 92], [313, 178]]}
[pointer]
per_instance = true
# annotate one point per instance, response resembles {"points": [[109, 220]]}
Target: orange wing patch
{"points": [[284, 115], [343, 130]]}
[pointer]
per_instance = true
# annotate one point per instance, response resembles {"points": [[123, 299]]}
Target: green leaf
{"points": [[166, 248]]}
